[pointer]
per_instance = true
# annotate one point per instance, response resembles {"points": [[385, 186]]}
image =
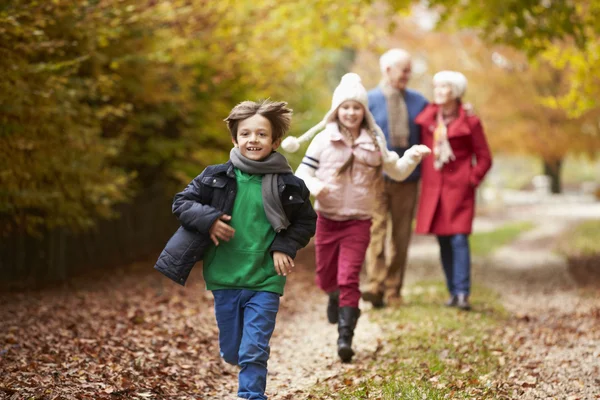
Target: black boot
{"points": [[333, 307], [348, 317]]}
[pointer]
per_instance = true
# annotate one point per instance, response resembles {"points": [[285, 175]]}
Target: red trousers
{"points": [[340, 251]]}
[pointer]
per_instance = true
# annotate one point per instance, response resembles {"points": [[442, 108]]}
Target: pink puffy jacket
{"points": [[349, 195]]}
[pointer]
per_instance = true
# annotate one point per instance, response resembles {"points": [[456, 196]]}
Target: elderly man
{"points": [[395, 108]]}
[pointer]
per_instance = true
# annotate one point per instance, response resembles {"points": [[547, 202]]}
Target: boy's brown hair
{"points": [[277, 112]]}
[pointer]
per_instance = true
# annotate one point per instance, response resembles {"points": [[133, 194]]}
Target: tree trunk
{"points": [[552, 169]]}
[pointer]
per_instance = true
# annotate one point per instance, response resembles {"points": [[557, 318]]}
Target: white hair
{"points": [[392, 57], [456, 80]]}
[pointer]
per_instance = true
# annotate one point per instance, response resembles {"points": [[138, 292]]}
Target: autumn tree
{"points": [[510, 92], [561, 40], [101, 99], [565, 33]]}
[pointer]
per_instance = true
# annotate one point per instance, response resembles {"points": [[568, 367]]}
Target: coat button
{"points": [[214, 181], [291, 197]]}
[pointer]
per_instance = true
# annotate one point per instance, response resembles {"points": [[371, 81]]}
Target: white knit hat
{"points": [[350, 88], [455, 79]]}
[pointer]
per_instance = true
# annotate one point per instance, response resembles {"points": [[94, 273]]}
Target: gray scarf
{"points": [[270, 167]]}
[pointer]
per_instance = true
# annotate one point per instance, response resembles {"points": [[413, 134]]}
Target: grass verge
{"points": [[484, 243], [581, 247], [431, 352], [581, 241]]}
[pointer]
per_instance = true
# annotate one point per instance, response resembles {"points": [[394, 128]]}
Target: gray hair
{"points": [[456, 80], [392, 57]]}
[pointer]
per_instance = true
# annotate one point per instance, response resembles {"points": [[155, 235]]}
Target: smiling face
{"points": [[442, 93], [351, 114], [255, 138], [398, 74]]}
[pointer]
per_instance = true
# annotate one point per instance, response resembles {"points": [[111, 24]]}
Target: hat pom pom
{"points": [[350, 78], [290, 144]]}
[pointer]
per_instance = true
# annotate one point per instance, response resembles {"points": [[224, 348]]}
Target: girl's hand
{"points": [[418, 151], [220, 230], [284, 264]]}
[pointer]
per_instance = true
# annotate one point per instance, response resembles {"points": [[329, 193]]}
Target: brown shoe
{"points": [[451, 302], [394, 300], [462, 302], [374, 298]]}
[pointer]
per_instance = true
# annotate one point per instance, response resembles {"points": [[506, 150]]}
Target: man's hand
{"points": [[220, 230], [284, 264]]}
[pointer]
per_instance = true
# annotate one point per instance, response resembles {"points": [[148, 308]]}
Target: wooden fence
{"points": [[140, 231]]}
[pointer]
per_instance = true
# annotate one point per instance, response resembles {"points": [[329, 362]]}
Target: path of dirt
{"points": [[535, 287], [553, 335], [303, 348]]}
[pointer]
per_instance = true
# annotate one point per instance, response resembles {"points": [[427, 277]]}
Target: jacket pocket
{"points": [[185, 247], [176, 272], [214, 181], [292, 202]]}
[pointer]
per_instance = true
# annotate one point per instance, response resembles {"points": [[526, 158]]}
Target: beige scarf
{"points": [[397, 116], [442, 151]]}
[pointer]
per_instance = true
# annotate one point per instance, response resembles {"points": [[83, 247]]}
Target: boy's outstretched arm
{"points": [[301, 229], [189, 210]]}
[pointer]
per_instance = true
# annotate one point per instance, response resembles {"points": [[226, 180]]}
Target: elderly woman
{"points": [[460, 160]]}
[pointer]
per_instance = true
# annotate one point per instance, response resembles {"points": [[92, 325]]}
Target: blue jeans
{"points": [[246, 320], [456, 260]]}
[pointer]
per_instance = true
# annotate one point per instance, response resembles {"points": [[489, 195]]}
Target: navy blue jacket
{"points": [[415, 103], [211, 194]]}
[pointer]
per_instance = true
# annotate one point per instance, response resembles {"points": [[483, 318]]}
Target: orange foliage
{"points": [[505, 89]]}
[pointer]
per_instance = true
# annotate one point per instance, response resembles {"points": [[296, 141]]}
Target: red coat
{"points": [[447, 199]]}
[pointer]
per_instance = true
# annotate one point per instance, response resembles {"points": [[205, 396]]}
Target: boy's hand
{"points": [[284, 264], [220, 230]]}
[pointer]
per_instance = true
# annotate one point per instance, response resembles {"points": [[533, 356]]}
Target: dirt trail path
{"points": [[157, 337], [303, 347], [554, 333], [535, 287], [558, 324]]}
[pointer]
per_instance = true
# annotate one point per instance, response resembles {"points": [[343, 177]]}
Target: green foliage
{"points": [[563, 33], [56, 166], [581, 241], [101, 99], [527, 24]]}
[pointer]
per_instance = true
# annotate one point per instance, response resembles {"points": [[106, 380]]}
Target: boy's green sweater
{"points": [[245, 262]]}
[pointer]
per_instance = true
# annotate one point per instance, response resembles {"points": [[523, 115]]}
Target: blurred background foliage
{"points": [[103, 98]]}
